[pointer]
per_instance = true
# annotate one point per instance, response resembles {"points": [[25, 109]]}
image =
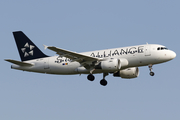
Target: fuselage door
{"points": [[148, 50]]}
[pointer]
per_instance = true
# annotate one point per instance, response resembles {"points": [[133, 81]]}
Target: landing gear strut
{"points": [[103, 82], [91, 76], [150, 68]]}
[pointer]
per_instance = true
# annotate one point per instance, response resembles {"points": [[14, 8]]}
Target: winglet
{"points": [[45, 46]]}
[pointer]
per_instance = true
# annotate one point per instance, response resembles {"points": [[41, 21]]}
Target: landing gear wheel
{"points": [[103, 82], [90, 77], [151, 73]]}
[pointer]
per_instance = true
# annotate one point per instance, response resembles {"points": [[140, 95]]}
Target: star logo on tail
{"points": [[30, 50]]}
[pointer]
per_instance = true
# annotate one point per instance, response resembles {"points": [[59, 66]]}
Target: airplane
{"points": [[121, 62]]}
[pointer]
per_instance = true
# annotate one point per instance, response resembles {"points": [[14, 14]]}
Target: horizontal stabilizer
{"points": [[19, 63]]}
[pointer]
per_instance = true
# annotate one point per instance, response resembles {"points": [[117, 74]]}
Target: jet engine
{"points": [[109, 65], [127, 73]]}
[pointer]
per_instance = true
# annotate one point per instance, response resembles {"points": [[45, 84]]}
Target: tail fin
{"points": [[27, 49]]}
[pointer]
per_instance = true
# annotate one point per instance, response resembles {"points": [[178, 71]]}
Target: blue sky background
{"points": [[80, 26]]}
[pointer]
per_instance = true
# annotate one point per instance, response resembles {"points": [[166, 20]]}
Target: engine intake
{"points": [[128, 73]]}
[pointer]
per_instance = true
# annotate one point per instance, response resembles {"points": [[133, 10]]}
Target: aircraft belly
{"points": [[64, 68], [133, 60]]}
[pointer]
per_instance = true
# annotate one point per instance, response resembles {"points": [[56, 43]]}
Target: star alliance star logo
{"points": [[24, 50]]}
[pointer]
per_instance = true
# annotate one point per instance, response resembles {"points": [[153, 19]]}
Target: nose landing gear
{"points": [[150, 68], [151, 73]]}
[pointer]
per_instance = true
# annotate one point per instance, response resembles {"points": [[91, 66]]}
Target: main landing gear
{"points": [[103, 82], [150, 68], [91, 77]]}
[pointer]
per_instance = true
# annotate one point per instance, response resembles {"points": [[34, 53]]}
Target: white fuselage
{"points": [[133, 56]]}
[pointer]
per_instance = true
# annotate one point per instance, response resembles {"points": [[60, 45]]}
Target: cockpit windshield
{"points": [[162, 48]]}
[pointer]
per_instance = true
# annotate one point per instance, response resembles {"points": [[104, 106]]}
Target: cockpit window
{"points": [[162, 48]]}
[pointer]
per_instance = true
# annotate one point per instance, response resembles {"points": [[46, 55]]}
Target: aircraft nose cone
{"points": [[173, 55]]}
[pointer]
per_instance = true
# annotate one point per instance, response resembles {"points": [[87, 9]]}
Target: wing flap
{"points": [[19, 63]]}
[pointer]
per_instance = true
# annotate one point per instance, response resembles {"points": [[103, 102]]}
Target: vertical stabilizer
{"points": [[27, 49]]}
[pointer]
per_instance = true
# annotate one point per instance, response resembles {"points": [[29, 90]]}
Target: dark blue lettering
{"points": [[132, 51], [115, 52], [140, 49]]}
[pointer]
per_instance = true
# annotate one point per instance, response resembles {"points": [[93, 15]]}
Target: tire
{"points": [[103, 82], [151, 73], [90, 77]]}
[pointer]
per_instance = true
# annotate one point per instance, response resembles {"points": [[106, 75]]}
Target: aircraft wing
{"points": [[73, 55]]}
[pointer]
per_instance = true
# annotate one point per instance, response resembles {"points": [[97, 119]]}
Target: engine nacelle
{"points": [[128, 73], [109, 65]]}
